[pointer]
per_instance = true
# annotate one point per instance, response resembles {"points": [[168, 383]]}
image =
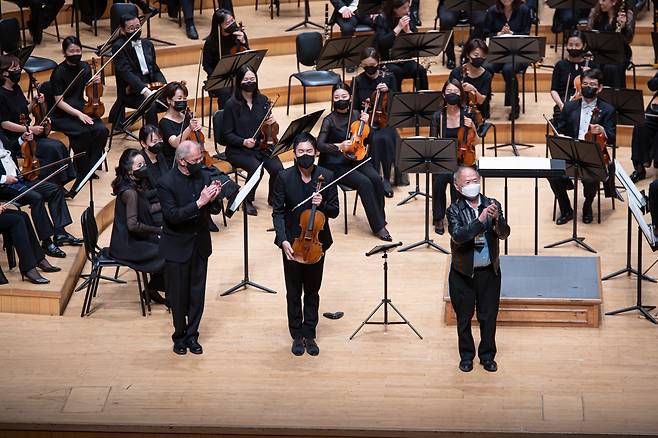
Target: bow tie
{"points": [[137, 43]]}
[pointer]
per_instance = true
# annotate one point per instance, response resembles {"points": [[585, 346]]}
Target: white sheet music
{"points": [[514, 163]]}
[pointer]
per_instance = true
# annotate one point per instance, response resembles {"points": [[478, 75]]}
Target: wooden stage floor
{"points": [[116, 368]]}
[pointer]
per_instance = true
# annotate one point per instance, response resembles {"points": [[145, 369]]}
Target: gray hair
{"points": [[461, 170], [185, 149]]}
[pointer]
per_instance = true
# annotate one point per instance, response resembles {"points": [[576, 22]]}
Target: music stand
{"points": [[584, 160], [470, 6], [240, 200], [574, 5], [419, 45], [303, 124], [227, 67], [414, 110], [148, 28], [369, 7], [514, 50], [23, 54], [343, 52], [427, 155], [137, 114], [607, 47], [306, 22], [386, 301]]}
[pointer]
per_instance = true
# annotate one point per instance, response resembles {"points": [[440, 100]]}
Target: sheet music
{"points": [[639, 218], [248, 187], [514, 163]]}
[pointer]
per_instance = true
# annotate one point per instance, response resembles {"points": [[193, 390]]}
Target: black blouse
{"points": [[482, 83], [519, 22], [12, 104], [61, 77], [240, 122], [168, 128], [438, 120], [384, 35]]}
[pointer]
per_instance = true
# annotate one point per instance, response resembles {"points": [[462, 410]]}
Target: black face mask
{"points": [[73, 59], [575, 53], [477, 62], [371, 70], [141, 173], [232, 28], [342, 104], [14, 76], [180, 105], [305, 161], [155, 148], [193, 168], [453, 99], [589, 92], [249, 86], [137, 34]]}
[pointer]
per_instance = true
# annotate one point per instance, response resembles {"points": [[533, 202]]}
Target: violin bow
{"points": [[78, 155], [22, 194], [349, 116]]}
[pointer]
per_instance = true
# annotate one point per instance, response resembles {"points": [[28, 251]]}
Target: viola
{"points": [[380, 106], [29, 151], [94, 107], [599, 139], [39, 111], [359, 132], [307, 247]]}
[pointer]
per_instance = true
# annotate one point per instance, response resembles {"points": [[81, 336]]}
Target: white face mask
{"points": [[471, 190]]}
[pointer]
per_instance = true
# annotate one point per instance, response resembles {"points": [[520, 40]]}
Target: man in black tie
{"points": [[135, 67], [188, 197], [475, 223]]}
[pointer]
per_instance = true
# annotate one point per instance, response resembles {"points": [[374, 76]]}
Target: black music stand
{"points": [[148, 28], [303, 124], [574, 5], [369, 7], [584, 160], [124, 126], [343, 52], [419, 45], [306, 22], [470, 6], [514, 50], [386, 301], [607, 47], [427, 155], [414, 110], [227, 67]]}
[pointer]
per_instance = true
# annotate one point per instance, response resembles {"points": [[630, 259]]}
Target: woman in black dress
{"points": [[135, 235], [478, 79], [13, 104], [243, 114], [445, 124], [150, 140], [86, 134], [333, 139], [174, 125], [508, 17], [567, 70]]}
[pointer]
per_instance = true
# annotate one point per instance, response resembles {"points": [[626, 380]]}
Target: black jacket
{"points": [[128, 71], [464, 226], [290, 190], [569, 120]]}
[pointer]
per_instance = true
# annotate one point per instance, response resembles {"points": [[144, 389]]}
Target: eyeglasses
{"points": [[132, 29]]}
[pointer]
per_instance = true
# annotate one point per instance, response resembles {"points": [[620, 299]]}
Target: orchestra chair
{"points": [[346, 189], [99, 259], [308, 48]]}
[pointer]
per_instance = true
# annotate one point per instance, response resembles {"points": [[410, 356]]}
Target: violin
{"points": [[466, 136], [39, 111], [380, 106], [198, 137], [239, 47], [307, 247], [359, 132], [270, 133], [577, 81], [599, 139], [29, 151], [94, 107]]}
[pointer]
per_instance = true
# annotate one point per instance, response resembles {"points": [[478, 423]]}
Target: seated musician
{"points": [[477, 79], [136, 71], [446, 124], [448, 19], [384, 138], [244, 113], [610, 16], [332, 141], [16, 225], [393, 21], [50, 229], [86, 134], [150, 140], [12, 105], [348, 18], [644, 146], [135, 233], [187, 7], [42, 13], [574, 122], [508, 17], [175, 125], [567, 70]]}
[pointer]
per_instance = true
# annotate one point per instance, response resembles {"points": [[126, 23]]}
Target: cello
{"points": [[307, 247], [29, 151]]}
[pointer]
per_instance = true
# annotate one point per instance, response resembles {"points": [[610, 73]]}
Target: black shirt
{"points": [[364, 86], [12, 104], [384, 35], [566, 71], [168, 128], [519, 22], [240, 122], [333, 131], [482, 83], [61, 77], [438, 120]]}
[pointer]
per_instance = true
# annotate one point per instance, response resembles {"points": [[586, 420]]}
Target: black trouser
{"points": [[480, 293], [561, 184], [382, 150], [185, 289], [37, 198], [410, 70], [302, 320], [348, 26], [653, 202], [18, 225], [369, 186], [187, 6], [511, 86], [249, 160], [448, 19], [439, 183], [43, 12], [49, 151], [83, 138], [645, 140]]}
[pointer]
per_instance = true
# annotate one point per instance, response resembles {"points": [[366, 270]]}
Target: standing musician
{"points": [[475, 224], [446, 124], [244, 113], [644, 147], [188, 197], [136, 70], [478, 79], [393, 21], [333, 140], [187, 7], [12, 105], [150, 140], [612, 16], [448, 19], [574, 122], [175, 126], [292, 186], [384, 138], [348, 18], [85, 133], [508, 17], [42, 13]]}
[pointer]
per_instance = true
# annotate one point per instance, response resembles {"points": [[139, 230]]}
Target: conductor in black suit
{"points": [[292, 186], [188, 197], [574, 122], [135, 68]]}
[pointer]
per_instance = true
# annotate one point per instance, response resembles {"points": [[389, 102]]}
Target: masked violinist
{"points": [[477, 80], [174, 125]]}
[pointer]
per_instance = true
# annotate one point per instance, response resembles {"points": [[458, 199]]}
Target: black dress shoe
{"points": [[450, 64], [311, 347], [489, 365], [251, 210], [514, 114], [638, 175], [67, 239], [194, 346], [388, 190], [588, 216], [564, 218], [34, 277], [439, 227], [466, 366], [53, 250], [384, 235], [191, 32], [297, 346], [180, 349], [45, 266]]}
